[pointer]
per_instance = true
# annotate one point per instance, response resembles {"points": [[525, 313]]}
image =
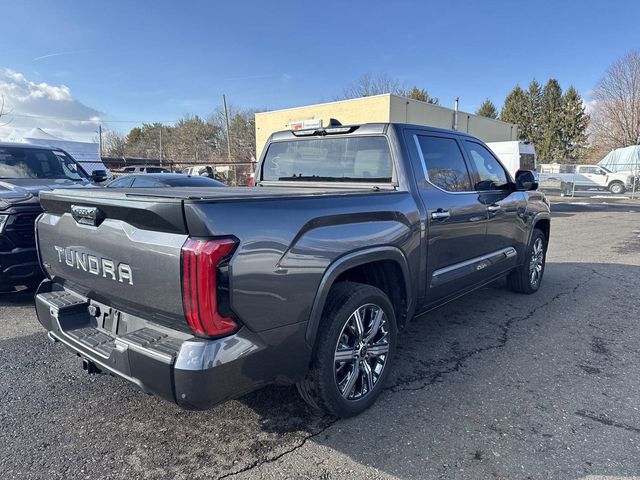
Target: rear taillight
{"points": [[200, 261]]}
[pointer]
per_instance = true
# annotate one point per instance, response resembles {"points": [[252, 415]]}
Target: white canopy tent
{"points": [[87, 154], [625, 159]]}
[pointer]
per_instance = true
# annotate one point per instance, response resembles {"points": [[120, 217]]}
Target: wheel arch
{"points": [[541, 222], [355, 263]]}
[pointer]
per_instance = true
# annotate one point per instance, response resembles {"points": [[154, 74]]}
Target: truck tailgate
{"points": [[123, 251]]}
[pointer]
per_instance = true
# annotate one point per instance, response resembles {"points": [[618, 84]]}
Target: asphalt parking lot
{"points": [[495, 385]]}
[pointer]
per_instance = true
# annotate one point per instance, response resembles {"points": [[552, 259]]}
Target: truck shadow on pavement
{"points": [[493, 385]]}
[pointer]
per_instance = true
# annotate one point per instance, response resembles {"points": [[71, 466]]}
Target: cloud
{"points": [[51, 107]]}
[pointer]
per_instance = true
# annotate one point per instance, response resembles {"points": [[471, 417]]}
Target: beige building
{"points": [[380, 108]]}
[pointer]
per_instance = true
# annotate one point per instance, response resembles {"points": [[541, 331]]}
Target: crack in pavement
{"points": [[600, 418], [458, 362], [259, 463]]}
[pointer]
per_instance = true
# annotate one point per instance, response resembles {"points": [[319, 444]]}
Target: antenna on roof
{"points": [[334, 123]]}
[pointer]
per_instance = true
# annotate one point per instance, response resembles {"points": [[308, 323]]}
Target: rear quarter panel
{"points": [[287, 244]]}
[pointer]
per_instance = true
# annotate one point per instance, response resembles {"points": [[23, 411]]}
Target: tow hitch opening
{"points": [[90, 367]]}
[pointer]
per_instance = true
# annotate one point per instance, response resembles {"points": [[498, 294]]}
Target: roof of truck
{"points": [[367, 128]]}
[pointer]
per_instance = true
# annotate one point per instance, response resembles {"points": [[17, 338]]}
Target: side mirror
{"points": [[98, 176], [526, 180]]}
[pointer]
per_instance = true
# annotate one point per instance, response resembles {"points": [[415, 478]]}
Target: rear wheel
{"points": [[354, 351], [528, 277], [617, 188]]}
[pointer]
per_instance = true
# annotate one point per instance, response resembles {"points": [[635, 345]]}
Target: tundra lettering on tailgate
{"points": [[108, 268]]}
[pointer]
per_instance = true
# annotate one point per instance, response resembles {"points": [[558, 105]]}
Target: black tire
{"points": [[521, 279], [617, 188], [320, 388]]}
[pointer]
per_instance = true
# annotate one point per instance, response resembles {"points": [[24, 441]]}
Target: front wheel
{"points": [[354, 350], [528, 277], [617, 188]]}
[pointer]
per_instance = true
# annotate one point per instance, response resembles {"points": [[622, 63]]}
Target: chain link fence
{"points": [[570, 179], [231, 173]]}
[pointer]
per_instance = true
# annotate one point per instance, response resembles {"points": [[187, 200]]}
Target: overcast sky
{"points": [[68, 66]]}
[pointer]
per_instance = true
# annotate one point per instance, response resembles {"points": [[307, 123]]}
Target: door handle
{"points": [[493, 208], [440, 214]]}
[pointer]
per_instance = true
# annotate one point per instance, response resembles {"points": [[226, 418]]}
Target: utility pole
{"points": [[160, 144], [100, 137], [226, 120], [455, 113]]}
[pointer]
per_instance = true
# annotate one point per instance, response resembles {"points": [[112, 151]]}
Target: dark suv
{"points": [[26, 170]]}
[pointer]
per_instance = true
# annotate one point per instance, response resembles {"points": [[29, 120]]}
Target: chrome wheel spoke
{"points": [[377, 350], [367, 373], [375, 326], [357, 319], [345, 355], [351, 382]]}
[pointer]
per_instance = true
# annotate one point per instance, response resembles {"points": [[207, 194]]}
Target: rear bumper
{"points": [[19, 267], [194, 373]]}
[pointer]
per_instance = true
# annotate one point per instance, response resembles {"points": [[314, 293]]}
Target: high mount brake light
{"points": [[324, 131], [304, 133], [200, 261]]}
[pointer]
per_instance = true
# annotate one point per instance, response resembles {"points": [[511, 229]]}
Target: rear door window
{"points": [[443, 163]]}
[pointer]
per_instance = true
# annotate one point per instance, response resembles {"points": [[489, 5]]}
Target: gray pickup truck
{"points": [[201, 295]]}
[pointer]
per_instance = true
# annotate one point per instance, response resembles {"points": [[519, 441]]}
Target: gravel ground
{"points": [[495, 385]]}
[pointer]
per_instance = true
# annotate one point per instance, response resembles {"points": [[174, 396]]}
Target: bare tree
{"points": [[616, 115], [114, 144], [242, 130], [369, 84]]}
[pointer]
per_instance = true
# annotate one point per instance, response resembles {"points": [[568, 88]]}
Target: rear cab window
{"points": [[357, 159]]}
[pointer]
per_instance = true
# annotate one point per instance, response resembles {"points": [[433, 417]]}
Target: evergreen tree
{"points": [[555, 123], [420, 94], [513, 110], [530, 129], [575, 122], [487, 109], [550, 145]]}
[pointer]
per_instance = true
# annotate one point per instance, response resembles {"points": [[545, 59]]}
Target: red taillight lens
{"points": [[200, 260]]}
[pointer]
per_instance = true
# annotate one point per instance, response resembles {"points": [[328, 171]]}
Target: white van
{"points": [[515, 155]]}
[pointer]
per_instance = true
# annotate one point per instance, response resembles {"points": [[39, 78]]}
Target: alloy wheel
{"points": [[361, 351], [537, 262]]}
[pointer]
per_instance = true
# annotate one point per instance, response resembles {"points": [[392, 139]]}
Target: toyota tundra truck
{"points": [[202, 295]]}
